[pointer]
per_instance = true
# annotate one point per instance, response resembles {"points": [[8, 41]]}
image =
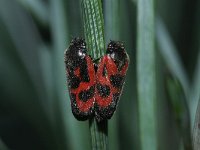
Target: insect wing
{"points": [[110, 77], [81, 79]]}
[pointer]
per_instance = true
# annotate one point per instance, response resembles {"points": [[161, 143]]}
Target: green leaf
{"points": [[146, 74]]}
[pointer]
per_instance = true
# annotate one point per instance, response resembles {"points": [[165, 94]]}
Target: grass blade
{"points": [[195, 92], [94, 27], [112, 19], [26, 46], [146, 74], [196, 95], [170, 55], [98, 134], [94, 34], [59, 33]]}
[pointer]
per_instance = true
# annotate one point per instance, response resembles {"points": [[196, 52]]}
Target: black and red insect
{"points": [[95, 86]]}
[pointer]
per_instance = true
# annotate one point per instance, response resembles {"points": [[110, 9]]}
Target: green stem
{"points": [[94, 35], [99, 132], [93, 27]]}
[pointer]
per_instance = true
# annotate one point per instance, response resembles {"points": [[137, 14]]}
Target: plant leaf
{"points": [[146, 74]]}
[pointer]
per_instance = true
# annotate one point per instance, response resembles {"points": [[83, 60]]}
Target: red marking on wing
{"points": [[77, 72], [85, 106], [111, 69], [104, 80]]}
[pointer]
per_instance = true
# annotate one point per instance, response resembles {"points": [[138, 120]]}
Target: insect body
{"points": [[81, 79], [95, 88], [110, 79]]}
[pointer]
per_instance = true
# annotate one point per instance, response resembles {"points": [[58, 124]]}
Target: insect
{"points": [[95, 86]]}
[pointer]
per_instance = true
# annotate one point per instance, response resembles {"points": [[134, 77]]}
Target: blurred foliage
{"points": [[35, 108], [146, 74], [178, 103]]}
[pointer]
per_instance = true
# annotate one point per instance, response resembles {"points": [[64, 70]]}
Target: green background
{"points": [[35, 111]]}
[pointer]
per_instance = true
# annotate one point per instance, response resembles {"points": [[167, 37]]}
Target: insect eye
{"points": [[110, 50], [83, 45], [83, 49]]}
